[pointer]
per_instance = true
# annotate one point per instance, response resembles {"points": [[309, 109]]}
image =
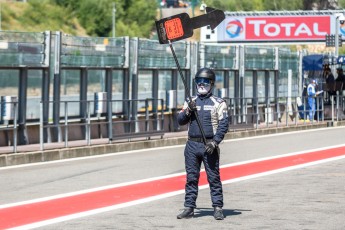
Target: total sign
{"points": [[288, 29]]}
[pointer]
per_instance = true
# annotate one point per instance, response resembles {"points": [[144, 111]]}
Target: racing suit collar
{"points": [[202, 96]]}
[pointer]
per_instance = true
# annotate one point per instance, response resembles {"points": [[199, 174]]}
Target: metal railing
{"points": [[249, 113], [244, 113], [337, 107], [149, 121]]}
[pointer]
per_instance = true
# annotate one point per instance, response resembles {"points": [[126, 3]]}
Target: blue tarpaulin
{"points": [[313, 62]]}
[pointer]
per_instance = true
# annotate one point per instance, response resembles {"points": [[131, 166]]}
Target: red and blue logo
{"points": [[234, 28]]}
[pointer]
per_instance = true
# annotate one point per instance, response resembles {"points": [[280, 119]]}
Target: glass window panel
{"points": [[294, 86], [70, 82], [34, 93], [261, 86], [248, 84], [181, 97], [219, 84], [9, 82], [34, 83], [271, 85], [232, 84], [70, 90], [144, 87], [282, 87], [164, 84], [117, 88], [96, 82]]}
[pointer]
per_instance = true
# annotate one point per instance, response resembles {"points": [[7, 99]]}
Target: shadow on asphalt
{"points": [[200, 212]]}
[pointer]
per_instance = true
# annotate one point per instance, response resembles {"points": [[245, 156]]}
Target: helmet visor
{"points": [[202, 81]]}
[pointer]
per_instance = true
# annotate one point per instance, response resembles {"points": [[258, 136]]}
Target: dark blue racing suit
{"points": [[213, 117]]}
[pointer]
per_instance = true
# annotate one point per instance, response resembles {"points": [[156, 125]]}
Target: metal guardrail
{"points": [[245, 113], [337, 107], [248, 113], [149, 122]]}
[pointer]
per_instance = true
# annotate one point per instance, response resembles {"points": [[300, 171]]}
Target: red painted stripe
{"points": [[30, 213]]}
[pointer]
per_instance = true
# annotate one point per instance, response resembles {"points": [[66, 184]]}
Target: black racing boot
{"points": [[187, 213], [218, 213]]}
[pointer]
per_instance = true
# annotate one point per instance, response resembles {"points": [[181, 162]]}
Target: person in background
{"points": [[330, 81], [341, 76], [340, 81], [213, 115], [311, 99]]}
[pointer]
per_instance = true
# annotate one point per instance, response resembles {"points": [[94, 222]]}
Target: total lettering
{"points": [[285, 29]]}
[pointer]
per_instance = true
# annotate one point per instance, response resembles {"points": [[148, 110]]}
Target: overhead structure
{"points": [[279, 27]]}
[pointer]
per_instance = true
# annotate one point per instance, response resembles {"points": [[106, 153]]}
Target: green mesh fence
{"points": [[24, 48], [221, 56], [21, 48], [288, 60], [92, 51], [151, 54], [259, 58]]}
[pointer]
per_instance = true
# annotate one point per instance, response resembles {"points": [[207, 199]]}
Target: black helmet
{"points": [[206, 73]]}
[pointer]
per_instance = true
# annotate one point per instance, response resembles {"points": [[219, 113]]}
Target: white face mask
{"points": [[203, 89]]}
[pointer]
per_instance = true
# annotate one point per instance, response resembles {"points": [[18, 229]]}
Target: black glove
{"points": [[210, 147], [192, 106]]}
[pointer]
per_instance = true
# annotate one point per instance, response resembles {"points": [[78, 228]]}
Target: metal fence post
{"points": [[41, 127], [15, 132], [241, 81], [88, 127], [257, 112], [110, 119], [162, 113], [146, 115], [66, 124], [332, 102], [135, 85], [287, 112], [296, 112], [338, 97], [57, 85]]}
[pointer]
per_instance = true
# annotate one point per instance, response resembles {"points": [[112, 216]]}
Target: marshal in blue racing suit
{"points": [[212, 112], [311, 99]]}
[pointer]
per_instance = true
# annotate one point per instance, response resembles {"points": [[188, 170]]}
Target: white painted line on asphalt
{"points": [[284, 133], [161, 148], [282, 155], [283, 170], [90, 190], [172, 175]]}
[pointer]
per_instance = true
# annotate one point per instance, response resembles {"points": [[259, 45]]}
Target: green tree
{"points": [[341, 3], [283, 5], [42, 15], [133, 17], [235, 5], [139, 19], [95, 17]]}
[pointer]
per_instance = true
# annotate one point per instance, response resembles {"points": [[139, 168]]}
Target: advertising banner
{"points": [[277, 29]]}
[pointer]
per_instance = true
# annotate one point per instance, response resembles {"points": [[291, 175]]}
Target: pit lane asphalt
{"points": [[307, 198]]}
